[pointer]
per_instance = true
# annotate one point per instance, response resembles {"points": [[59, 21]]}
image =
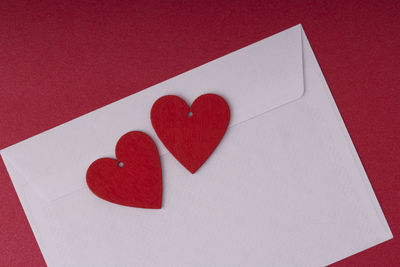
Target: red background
{"points": [[60, 60]]}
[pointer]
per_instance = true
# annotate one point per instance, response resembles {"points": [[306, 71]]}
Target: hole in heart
{"points": [[190, 114], [120, 164]]}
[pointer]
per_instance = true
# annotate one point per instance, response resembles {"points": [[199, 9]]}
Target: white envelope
{"points": [[285, 187]]}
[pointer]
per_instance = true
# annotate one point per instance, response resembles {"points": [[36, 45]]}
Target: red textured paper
{"points": [[190, 133], [134, 178], [62, 59]]}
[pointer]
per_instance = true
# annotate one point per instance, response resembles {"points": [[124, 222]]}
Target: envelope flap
{"points": [[254, 80]]}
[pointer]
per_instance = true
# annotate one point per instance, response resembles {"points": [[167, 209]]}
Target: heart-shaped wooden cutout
{"points": [[191, 134], [134, 178]]}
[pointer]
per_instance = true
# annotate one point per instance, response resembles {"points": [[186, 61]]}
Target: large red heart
{"points": [[134, 178], [190, 133]]}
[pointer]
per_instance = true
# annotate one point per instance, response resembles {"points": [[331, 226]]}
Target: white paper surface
{"points": [[284, 188]]}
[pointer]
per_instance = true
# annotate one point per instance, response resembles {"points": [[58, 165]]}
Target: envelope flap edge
{"points": [[254, 80]]}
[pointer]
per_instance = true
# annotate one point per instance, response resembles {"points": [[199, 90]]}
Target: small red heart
{"points": [[134, 178], [191, 134]]}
